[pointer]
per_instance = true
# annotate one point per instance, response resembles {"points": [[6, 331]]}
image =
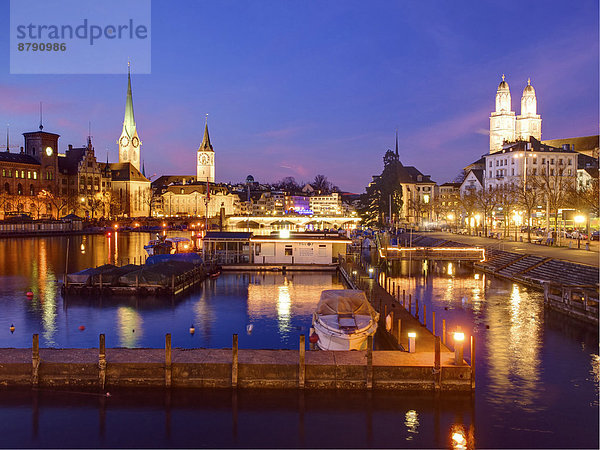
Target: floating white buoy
{"points": [[249, 328]]}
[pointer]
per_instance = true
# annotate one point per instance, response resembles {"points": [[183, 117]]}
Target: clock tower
{"points": [[129, 141], [205, 162]]}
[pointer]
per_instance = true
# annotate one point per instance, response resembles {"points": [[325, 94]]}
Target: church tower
{"points": [[502, 121], [529, 123], [205, 163], [129, 142]]}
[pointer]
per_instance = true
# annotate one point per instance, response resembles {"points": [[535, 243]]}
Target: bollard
{"points": [[444, 331], [102, 361], [412, 336], [168, 360], [433, 322], [425, 315], [234, 362], [459, 338], [35, 359], [472, 362], [437, 363], [301, 367], [370, 362]]}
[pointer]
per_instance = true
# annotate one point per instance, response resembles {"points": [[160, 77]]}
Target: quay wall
{"points": [[227, 368]]}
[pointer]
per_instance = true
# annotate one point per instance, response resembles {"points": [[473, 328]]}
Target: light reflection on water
{"points": [[533, 367]]}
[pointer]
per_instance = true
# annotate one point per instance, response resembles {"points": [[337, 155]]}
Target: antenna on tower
{"points": [[7, 143], [206, 119], [89, 133], [41, 117]]}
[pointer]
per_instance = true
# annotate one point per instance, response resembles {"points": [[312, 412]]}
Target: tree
{"points": [[322, 184], [528, 198], [585, 198], [384, 193], [468, 203], [287, 184], [507, 197], [555, 186], [486, 201]]}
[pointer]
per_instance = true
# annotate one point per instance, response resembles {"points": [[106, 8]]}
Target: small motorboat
{"points": [[344, 319], [170, 245]]}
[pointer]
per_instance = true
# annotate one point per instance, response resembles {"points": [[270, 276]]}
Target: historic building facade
{"points": [[505, 126]]}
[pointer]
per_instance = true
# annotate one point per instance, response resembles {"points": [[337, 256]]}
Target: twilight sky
{"points": [[297, 88]]}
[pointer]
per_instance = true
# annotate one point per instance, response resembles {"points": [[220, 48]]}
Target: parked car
{"points": [[596, 235]]}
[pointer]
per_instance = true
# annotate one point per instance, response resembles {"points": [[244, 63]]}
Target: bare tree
{"points": [[468, 203], [528, 198], [555, 186], [486, 201], [322, 184], [507, 198]]}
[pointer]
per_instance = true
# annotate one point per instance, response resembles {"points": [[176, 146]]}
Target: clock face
{"points": [[135, 141], [49, 151], [124, 141], [204, 158]]}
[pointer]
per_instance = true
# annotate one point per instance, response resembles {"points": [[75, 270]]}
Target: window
{"points": [[560, 161], [569, 161], [513, 172], [22, 174], [20, 189], [551, 172], [89, 164], [29, 174], [31, 190], [35, 175], [490, 164], [552, 161], [497, 163], [543, 160], [288, 250], [490, 174], [569, 171], [535, 160], [3, 172], [534, 171]]}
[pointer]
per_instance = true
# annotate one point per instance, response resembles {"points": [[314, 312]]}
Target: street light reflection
{"points": [[411, 420], [458, 437]]}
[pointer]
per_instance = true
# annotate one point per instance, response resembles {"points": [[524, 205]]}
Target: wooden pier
{"points": [[177, 284]]}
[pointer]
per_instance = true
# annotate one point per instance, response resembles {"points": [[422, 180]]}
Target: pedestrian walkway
{"points": [[588, 257]]}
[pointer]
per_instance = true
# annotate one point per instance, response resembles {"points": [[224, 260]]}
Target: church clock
{"points": [[135, 141], [124, 141]]}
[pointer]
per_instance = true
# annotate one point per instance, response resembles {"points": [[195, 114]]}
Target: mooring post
{"points": [[35, 359], [417, 308], [168, 360], [394, 289], [404, 298], [444, 331], [234, 362], [370, 362], [437, 365], [433, 322], [399, 331], [472, 362], [409, 305], [102, 361], [425, 315], [100, 280], [301, 368]]}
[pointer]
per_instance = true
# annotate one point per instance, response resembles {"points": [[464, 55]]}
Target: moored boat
{"points": [[170, 245], [344, 319]]}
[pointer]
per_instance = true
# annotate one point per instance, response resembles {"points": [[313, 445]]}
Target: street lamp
{"points": [[579, 219]]}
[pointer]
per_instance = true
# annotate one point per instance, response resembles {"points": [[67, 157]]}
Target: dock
{"points": [[103, 368]]}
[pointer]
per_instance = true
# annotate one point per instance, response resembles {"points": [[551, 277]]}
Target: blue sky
{"points": [[297, 88]]}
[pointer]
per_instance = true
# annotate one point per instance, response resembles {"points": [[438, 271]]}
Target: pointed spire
{"points": [[129, 120], [89, 138], [397, 155], [7, 143], [528, 81], [144, 168], [502, 77], [206, 145]]}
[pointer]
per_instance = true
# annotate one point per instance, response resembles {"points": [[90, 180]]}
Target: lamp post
{"points": [[579, 219]]}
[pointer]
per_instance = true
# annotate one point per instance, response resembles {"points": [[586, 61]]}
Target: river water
{"points": [[537, 372]]}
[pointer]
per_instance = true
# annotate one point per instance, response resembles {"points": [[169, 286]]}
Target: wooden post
{"points": [[409, 304], [433, 322], [301, 368], [399, 331], [100, 280], [425, 315], [234, 362], [437, 370], [394, 289], [417, 308], [370, 362], [472, 362], [403, 296], [168, 361], [444, 331], [102, 361], [35, 359]]}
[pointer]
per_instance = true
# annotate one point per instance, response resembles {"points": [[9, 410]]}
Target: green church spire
{"points": [[129, 120]]}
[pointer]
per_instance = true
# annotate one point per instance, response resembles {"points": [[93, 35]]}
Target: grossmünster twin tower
{"points": [[505, 126]]}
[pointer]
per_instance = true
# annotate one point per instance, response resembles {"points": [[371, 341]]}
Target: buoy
{"points": [[81, 328], [249, 328], [30, 294], [192, 329], [12, 328], [314, 338]]}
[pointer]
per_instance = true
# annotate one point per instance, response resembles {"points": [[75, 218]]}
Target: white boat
{"points": [[168, 245], [344, 319]]}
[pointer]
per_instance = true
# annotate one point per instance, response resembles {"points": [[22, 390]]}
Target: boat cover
{"points": [[192, 258], [345, 301]]}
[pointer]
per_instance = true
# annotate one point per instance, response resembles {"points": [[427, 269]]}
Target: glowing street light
{"points": [[579, 219], [459, 338], [412, 337]]}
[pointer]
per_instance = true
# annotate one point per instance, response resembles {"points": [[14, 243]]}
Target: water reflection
{"points": [[284, 303], [411, 421], [129, 326]]}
